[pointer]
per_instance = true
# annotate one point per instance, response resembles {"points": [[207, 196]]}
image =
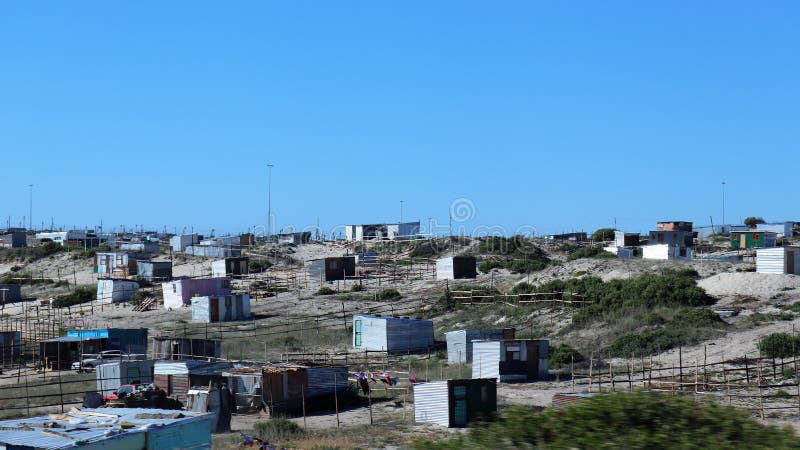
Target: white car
{"points": [[92, 362]]}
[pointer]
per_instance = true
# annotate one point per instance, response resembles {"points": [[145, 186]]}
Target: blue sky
{"points": [[556, 116]]}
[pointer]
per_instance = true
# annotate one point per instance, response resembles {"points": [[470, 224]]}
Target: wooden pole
{"points": [[303, 396], [591, 364], [336, 398]]}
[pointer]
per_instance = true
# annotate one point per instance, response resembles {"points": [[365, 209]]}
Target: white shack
{"points": [[114, 291], [666, 251], [778, 260], [391, 334], [221, 308]]}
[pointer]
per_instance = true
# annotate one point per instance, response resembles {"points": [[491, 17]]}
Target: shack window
{"points": [[174, 288]]}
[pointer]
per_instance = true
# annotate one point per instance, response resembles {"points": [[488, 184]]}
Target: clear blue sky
{"points": [[553, 115]]}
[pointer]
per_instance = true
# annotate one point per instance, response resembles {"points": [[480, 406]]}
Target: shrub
{"points": [[562, 355], [277, 429], [258, 265], [516, 253], [593, 251], [779, 345], [357, 288], [603, 234], [81, 294], [325, 290], [623, 420], [389, 294]]}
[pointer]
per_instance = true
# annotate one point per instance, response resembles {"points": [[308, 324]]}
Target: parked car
{"points": [[94, 361]]}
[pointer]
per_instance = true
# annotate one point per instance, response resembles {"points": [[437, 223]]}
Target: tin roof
{"points": [[82, 427]]}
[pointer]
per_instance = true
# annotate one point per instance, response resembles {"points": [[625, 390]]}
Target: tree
{"points": [[753, 221], [603, 234]]}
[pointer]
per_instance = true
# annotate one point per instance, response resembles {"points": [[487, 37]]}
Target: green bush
{"points": [[687, 326], [635, 421], [81, 294], [357, 288], [593, 251], [258, 265], [277, 429], [779, 345], [562, 355], [517, 254], [389, 294], [325, 290], [603, 234]]}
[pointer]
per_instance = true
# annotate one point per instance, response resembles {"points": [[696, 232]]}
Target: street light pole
{"points": [[401, 211], [269, 203], [723, 206], [30, 206]]}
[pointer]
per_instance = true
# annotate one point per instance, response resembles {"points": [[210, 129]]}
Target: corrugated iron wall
{"points": [[486, 359], [431, 403]]}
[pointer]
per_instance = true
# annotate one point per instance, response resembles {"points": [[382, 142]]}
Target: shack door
{"points": [[228, 309], [459, 406], [213, 307], [790, 262], [357, 328], [533, 360]]}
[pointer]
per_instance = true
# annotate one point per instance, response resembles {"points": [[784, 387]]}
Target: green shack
{"points": [[753, 239]]}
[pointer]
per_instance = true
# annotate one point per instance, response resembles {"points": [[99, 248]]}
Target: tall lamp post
{"points": [[269, 202], [723, 206], [30, 206]]}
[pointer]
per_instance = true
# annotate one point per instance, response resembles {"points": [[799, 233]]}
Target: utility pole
{"points": [[723, 204], [269, 202], [401, 211], [30, 206]]}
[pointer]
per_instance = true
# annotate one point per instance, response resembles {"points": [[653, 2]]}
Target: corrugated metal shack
{"points": [[282, 386], [155, 270], [174, 348], [230, 267], [132, 341], [212, 251], [678, 238], [223, 308], [10, 345], [778, 260], [623, 239], [781, 229], [456, 268], [215, 400], [753, 239], [459, 342], [10, 293], [112, 375], [579, 236], [332, 269], [666, 251], [298, 238], [141, 246], [113, 291], [511, 360], [455, 403], [177, 377], [117, 264], [62, 351], [392, 334], [13, 238], [109, 428], [178, 293], [181, 241]]}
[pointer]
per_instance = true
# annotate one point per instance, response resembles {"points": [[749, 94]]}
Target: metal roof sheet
{"points": [[56, 431]]}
